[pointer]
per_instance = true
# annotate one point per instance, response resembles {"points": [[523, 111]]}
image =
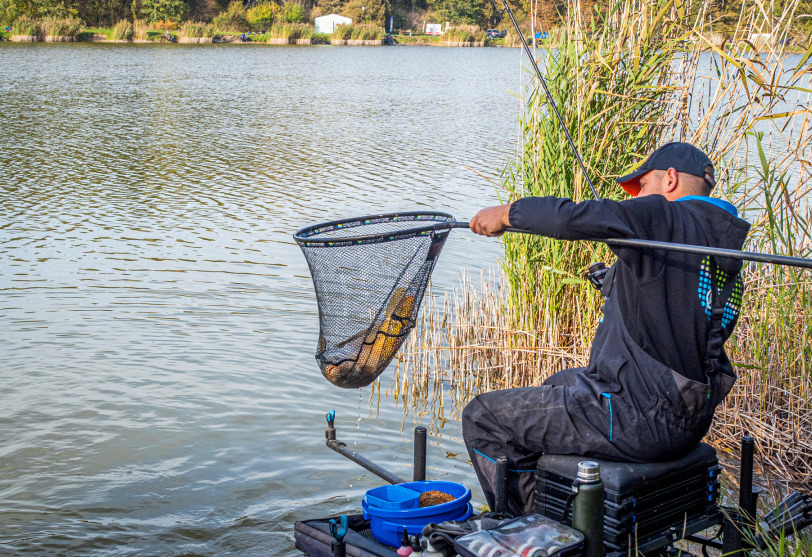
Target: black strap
{"points": [[568, 504], [608, 280], [715, 333]]}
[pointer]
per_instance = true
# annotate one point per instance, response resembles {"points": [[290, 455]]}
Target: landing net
{"points": [[370, 274]]}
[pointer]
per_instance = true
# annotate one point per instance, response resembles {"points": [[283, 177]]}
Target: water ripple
{"points": [[159, 325]]}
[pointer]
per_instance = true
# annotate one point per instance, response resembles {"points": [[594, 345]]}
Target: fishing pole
{"points": [[549, 96], [684, 248], [322, 235]]}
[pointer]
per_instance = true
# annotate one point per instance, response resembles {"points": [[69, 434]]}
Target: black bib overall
{"points": [[624, 406]]}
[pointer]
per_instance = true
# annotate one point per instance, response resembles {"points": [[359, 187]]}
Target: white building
{"points": [[328, 23]]}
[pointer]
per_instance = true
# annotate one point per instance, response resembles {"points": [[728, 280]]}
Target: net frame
{"points": [[305, 236]]}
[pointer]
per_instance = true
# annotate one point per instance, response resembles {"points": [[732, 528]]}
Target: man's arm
{"points": [[588, 220], [560, 218], [564, 219]]}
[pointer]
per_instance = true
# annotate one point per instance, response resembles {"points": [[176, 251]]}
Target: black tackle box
{"points": [[647, 505]]}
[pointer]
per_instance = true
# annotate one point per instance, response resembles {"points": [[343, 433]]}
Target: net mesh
{"points": [[370, 275]]}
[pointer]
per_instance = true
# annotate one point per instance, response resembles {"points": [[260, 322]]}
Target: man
{"points": [[657, 368]]}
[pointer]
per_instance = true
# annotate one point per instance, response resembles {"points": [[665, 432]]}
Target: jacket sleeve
{"points": [[644, 218]]}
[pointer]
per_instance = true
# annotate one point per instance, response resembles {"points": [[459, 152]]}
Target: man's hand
{"points": [[491, 221]]}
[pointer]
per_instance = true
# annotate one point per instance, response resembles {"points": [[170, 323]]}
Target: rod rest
{"points": [[790, 516]]}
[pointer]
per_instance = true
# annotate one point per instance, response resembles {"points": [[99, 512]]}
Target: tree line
{"points": [[406, 14]]}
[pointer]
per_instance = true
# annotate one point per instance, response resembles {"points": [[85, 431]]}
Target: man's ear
{"points": [[671, 180]]}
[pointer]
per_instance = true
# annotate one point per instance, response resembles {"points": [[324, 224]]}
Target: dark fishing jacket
{"points": [[663, 296]]}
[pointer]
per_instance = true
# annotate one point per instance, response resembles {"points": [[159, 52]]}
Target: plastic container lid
{"points": [[530, 535], [393, 497], [387, 525]]}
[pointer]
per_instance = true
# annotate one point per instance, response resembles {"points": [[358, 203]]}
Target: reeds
{"points": [[292, 31], [367, 32], [123, 31], [342, 33], [60, 27], [512, 38], [26, 26], [358, 32], [625, 82], [464, 34], [616, 92], [468, 342], [194, 30], [140, 30]]}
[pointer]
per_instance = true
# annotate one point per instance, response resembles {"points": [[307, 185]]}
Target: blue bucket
{"points": [[387, 525]]}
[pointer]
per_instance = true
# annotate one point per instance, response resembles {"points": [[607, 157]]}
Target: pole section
{"points": [[419, 454]]}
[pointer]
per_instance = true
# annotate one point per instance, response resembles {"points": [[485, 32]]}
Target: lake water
{"points": [[160, 394]]}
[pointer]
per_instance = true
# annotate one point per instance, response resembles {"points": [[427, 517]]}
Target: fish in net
{"points": [[369, 274]]}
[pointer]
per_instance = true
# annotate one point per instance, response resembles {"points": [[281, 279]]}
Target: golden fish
{"points": [[338, 375]]}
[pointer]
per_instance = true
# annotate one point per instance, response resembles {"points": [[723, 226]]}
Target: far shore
{"points": [[104, 35]]}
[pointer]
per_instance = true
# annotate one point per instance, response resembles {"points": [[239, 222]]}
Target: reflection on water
{"points": [[159, 323]]}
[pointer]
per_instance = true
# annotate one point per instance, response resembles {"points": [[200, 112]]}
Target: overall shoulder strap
{"points": [[717, 308]]}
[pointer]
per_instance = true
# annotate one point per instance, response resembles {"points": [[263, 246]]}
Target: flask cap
{"points": [[589, 471]]}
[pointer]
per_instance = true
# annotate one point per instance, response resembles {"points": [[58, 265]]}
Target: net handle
{"points": [[670, 246]]}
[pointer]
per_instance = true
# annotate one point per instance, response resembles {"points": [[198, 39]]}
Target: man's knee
{"points": [[478, 420], [469, 416]]}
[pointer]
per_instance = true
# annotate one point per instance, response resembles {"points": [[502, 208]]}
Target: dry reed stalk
{"points": [[140, 29], [469, 342], [773, 395]]}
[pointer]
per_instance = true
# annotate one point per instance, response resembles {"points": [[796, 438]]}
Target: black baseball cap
{"points": [[682, 157]]}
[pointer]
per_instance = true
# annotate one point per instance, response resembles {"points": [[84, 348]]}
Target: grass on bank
{"points": [[138, 30], [142, 33], [154, 35], [418, 39], [789, 543], [641, 76], [359, 32], [139, 33], [48, 27], [259, 38], [88, 32]]}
